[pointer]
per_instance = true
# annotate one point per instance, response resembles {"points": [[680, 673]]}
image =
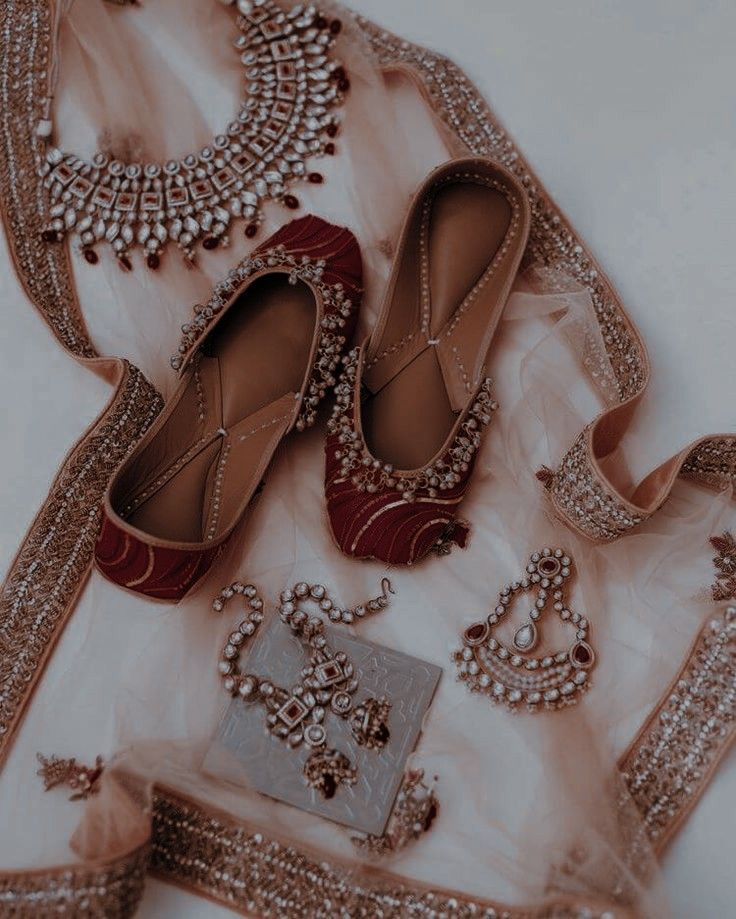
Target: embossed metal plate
{"points": [[244, 752]]}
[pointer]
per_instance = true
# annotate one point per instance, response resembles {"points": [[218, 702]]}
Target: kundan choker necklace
{"points": [[293, 88]]}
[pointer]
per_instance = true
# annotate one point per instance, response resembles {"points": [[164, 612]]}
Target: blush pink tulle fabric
{"points": [[518, 793]]}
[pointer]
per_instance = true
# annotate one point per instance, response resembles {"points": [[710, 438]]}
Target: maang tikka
{"points": [[506, 673], [328, 683]]}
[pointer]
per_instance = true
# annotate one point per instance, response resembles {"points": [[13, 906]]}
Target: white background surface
{"points": [[627, 112]]}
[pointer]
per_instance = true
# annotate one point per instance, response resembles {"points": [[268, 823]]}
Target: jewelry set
{"points": [[331, 692], [293, 88]]}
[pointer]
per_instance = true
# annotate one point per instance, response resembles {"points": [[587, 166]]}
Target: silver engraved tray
{"points": [[243, 752]]}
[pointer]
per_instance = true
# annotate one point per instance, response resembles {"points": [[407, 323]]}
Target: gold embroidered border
{"points": [[668, 766], [105, 890], [52, 564], [237, 866], [724, 586], [43, 268], [54, 560]]}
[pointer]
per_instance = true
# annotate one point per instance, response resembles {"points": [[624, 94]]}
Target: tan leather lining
{"points": [[459, 251], [235, 404]]}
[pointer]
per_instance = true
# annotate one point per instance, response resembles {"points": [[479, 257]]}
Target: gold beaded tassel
{"points": [[83, 780]]}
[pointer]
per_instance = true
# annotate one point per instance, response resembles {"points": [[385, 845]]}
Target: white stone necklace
{"points": [[288, 116]]}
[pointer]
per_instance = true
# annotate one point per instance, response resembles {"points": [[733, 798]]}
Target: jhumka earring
{"points": [[505, 673], [328, 683]]}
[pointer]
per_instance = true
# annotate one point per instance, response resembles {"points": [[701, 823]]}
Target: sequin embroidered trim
{"points": [[44, 581], [582, 498], [250, 872], [25, 48], [724, 587], [669, 764], [108, 890], [256, 875]]}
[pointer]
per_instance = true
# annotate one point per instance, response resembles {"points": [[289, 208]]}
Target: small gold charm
{"points": [[83, 780]]}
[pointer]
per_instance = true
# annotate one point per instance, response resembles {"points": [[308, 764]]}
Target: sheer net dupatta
{"points": [[530, 812], [246, 867], [601, 501]]}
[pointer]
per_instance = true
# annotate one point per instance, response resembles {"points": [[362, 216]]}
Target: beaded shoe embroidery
{"points": [[416, 508]]}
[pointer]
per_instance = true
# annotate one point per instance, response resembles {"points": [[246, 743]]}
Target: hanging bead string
{"points": [[317, 592]]}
